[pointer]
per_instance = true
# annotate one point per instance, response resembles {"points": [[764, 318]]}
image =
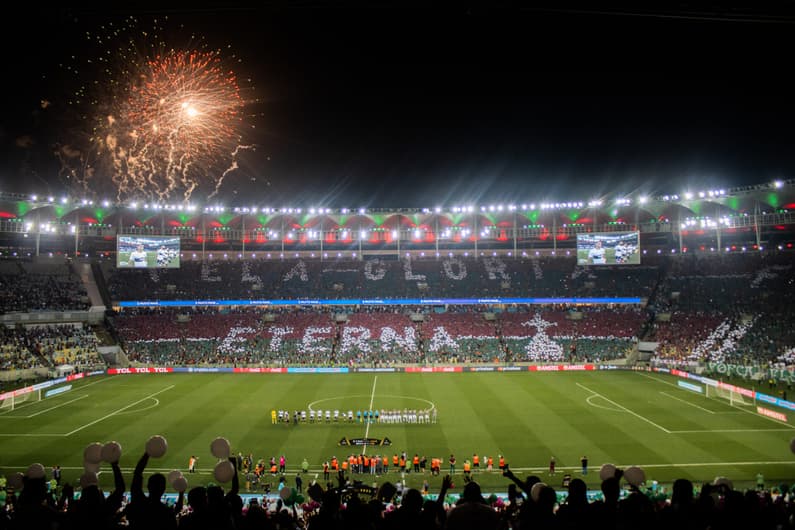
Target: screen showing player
{"points": [[147, 252], [608, 248]]}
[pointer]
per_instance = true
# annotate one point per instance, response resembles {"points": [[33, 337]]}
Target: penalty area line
{"points": [[118, 411], [625, 409], [686, 402]]}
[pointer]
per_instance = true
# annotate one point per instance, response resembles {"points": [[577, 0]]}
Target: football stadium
{"points": [[387, 266], [397, 347]]}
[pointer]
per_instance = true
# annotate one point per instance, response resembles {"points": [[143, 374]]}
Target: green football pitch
{"points": [[625, 418]]}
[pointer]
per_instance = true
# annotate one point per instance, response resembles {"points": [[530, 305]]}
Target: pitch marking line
{"points": [[367, 429], [32, 403], [738, 409], [591, 403], [118, 411], [311, 405], [153, 405], [56, 406], [29, 434], [625, 409], [41, 411], [686, 402], [733, 430]]}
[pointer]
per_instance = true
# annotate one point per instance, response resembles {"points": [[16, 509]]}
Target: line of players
{"points": [[360, 416], [380, 465], [165, 256]]}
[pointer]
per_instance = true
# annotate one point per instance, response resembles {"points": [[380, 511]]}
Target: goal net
{"points": [[13, 402], [734, 398]]}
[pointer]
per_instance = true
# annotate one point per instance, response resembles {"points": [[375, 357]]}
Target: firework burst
{"points": [[164, 124]]}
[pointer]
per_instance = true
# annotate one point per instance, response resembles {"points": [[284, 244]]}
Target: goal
{"points": [[733, 397], [13, 402]]}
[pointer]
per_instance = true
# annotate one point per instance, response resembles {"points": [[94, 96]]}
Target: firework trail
{"points": [[164, 123]]}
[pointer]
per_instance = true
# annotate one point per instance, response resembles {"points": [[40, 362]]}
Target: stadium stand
{"points": [[379, 278], [28, 287]]}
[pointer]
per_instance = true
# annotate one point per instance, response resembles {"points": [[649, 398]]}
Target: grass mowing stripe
{"points": [[544, 412], [686, 402], [55, 407], [647, 420], [117, 411]]}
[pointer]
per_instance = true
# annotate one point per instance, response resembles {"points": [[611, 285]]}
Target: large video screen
{"points": [[608, 248], [147, 252]]}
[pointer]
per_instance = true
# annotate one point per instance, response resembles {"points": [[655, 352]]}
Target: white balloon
{"points": [[16, 480], [535, 491], [174, 475], [156, 446], [88, 479], [181, 484], [224, 471], [607, 471], [35, 471], [220, 448], [111, 452], [635, 475], [93, 453]]}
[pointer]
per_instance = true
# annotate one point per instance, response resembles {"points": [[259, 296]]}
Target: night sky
{"points": [[416, 107]]}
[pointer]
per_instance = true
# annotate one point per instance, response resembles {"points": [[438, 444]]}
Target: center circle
{"points": [[430, 404]]}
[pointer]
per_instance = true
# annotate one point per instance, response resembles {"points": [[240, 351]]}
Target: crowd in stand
{"points": [[377, 335], [35, 346], [731, 308], [25, 287], [728, 307], [380, 278], [345, 503]]}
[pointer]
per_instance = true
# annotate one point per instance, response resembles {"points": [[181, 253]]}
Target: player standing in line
{"points": [[552, 466], [597, 254], [138, 256], [192, 464]]}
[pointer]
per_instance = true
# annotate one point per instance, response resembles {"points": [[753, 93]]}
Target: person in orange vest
{"points": [[475, 461], [359, 463], [386, 465], [273, 468], [334, 464], [395, 461], [366, 462], [489, 463], [467, 468], [192, 464], [402, 464], [416, 462], [502, 463]]}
